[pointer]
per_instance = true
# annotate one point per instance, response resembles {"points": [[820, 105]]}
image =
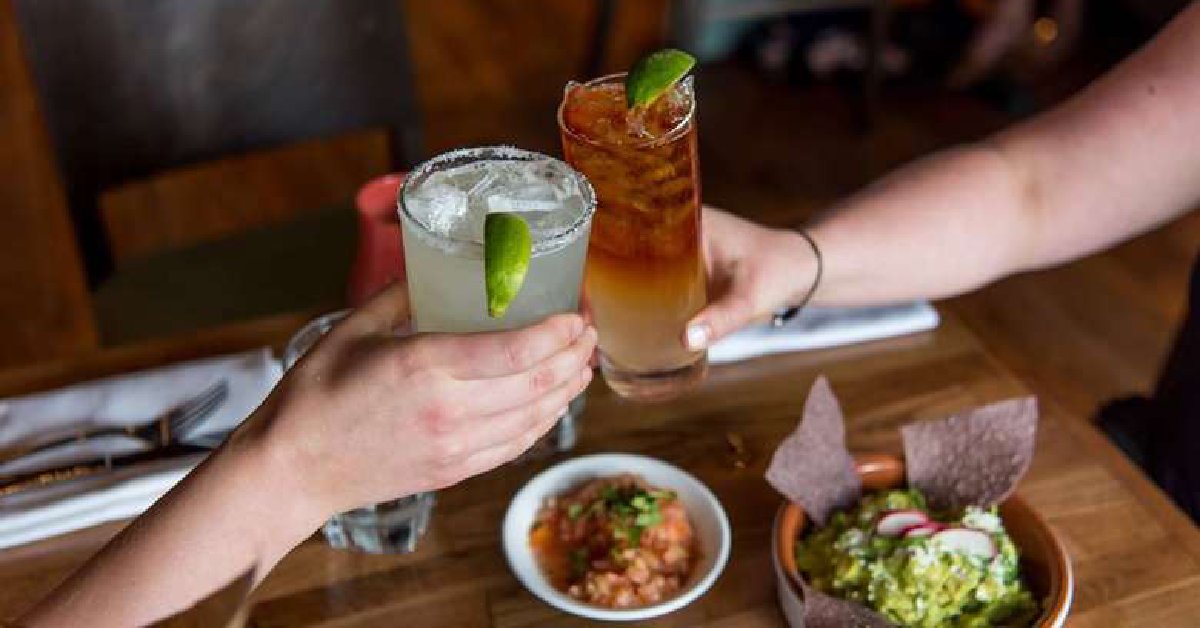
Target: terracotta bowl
{"points": [[1044, 562]]}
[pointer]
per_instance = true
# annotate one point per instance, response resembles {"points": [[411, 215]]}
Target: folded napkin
{"points": [[126, 399], [820, 328]]}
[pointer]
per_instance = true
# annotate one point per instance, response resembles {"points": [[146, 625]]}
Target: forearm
{"points": [[365, 417], [940, 226], [235, 512], [1113, 162]]}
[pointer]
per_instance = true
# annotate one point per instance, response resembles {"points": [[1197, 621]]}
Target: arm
{"points": [[1119, 159], [427, 411], [1114, 162], [227, 516]]}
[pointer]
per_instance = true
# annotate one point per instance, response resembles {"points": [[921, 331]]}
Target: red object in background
{"points": [[380, 259]]}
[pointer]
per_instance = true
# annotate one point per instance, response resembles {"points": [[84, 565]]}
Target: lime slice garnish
{"points": [[654, 74], [506, 250]]}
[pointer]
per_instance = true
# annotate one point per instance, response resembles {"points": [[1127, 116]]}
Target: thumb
{"points": [[718, 319], [380, 315]]}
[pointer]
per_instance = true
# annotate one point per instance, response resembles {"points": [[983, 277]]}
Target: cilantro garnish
{"points": [[630, 510], [579, 562]]}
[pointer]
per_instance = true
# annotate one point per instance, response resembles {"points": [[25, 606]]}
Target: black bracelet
{"points": [[781, 318]]}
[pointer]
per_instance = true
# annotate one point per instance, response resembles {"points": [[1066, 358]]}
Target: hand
{"points": [[752, 272], [367, 416]]}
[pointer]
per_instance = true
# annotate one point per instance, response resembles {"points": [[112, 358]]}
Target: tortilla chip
{"points": [[975, 458], [812, 467], [822, 610]]}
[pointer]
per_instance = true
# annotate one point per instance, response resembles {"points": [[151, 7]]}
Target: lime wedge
{"points": [[506, 250], [654, 74]]}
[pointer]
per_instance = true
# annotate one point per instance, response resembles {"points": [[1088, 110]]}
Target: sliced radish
{"points": [[928, 529], [895, 522], [966, 541]]}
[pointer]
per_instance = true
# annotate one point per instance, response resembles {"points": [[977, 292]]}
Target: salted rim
{"points": [[675, 133], [464, 156]]}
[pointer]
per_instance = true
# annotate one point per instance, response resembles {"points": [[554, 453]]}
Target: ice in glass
{"points": [[443, 206], [645, 273]]}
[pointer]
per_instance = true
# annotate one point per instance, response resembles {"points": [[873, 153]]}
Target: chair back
{"points": [[134, 87]]}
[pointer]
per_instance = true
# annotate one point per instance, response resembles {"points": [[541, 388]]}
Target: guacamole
{"points": [[920, 568]]}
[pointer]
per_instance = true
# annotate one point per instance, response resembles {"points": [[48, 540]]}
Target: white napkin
{"points": [[126, 399], [820, 328]]}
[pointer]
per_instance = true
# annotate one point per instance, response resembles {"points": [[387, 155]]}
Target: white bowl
{"points": [[707, 515]]}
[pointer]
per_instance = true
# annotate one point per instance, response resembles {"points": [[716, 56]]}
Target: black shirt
{"points": [[1174, 420]]}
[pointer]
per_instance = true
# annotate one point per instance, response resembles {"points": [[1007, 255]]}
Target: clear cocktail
{"points": [[645, 275], [443, 206]]}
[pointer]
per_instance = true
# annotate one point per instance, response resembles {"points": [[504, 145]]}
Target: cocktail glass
{"points": [[442, 208], [645, 273]]}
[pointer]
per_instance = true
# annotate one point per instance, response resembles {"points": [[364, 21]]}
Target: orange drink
{"points": [[645, 275]]}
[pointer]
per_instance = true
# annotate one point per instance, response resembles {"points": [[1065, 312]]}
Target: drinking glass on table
{"points": [[443, 207], [645, 275], [391, 527]]}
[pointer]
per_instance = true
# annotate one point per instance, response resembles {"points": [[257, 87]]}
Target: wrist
{"points": [[272, 470], [802, 260]]}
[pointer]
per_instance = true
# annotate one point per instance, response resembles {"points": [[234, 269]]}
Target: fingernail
{"points": [[577, 326], [587, 375], [698, 335]]}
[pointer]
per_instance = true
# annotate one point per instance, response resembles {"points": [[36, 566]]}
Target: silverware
{"points": [[173, 425], [35, 479]]}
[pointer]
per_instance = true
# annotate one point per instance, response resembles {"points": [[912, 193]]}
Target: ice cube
{"points": [[565, 188], [443, 207], [549, 176], [516, 203], [635, 123], [530, 186], [482, 185]]}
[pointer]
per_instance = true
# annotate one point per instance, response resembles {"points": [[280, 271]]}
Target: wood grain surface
{"points": [[1076, 336], [1137, 558]]}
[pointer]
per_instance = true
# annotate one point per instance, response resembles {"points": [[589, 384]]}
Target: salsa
{"points": [[920, 568], [615, 542]]}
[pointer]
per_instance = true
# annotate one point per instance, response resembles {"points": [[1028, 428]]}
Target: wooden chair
{"points": [[132, 88]]}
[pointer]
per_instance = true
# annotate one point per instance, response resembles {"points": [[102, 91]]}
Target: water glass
{"points": [[391, 527]]}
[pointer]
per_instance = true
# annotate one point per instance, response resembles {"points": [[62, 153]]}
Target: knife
{"points": [[18, 482]]}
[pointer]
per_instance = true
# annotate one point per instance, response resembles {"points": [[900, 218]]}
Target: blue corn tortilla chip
{"points": [[974, 458], [812, 467], [822, 610]]}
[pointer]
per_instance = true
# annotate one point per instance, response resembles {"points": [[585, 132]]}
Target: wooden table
{"points": [[1136, 558]]}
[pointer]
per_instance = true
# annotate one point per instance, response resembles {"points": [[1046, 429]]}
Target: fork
{"points": [[167, 428]]}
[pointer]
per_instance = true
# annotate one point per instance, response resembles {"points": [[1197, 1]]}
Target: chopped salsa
{"points": [[917, 567], [615, 542]]}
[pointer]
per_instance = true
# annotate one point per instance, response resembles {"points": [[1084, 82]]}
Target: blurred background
{"points": [[189, 167]]}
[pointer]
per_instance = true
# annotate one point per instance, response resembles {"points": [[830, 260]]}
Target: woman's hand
{"points": [[364, 417], [752, 272], [367, 416]]}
